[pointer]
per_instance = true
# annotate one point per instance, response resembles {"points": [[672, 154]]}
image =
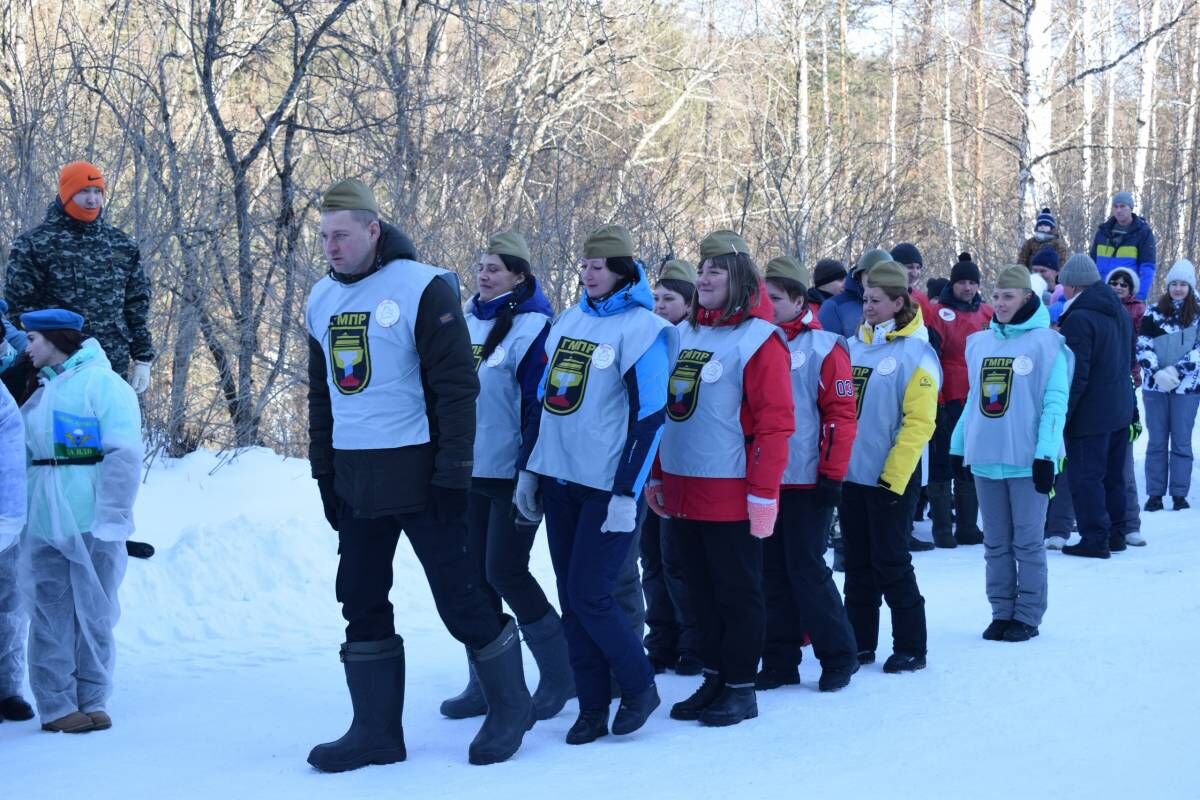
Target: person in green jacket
{"points": [[83, 440], [1011, 436]]}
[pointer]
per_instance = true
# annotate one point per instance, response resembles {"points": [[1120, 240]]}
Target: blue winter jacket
{"points": [[1054, 404], [1135, 250], [843, 313]]}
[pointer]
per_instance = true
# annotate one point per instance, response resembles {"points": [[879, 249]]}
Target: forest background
{"points": [[814, 127]]}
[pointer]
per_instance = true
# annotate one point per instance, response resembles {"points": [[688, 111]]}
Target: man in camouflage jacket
{"points": [[75, 260]]}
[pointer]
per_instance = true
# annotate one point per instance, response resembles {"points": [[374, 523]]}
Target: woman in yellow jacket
{"points": [[896, 379]]}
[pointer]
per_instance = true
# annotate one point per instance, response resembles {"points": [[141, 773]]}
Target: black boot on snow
{"points": [[903, 662], [966, 512], [556, 680], [690, 709], [994, 632], [836, 678], [1180, 503], [634, 711], [469, 702], [15, 708], [735, 704], [1020, 632], [138, 549], [1116, 542], [589, 727], [1153, 503], [769, 678], [375, 677], [510, 708]]}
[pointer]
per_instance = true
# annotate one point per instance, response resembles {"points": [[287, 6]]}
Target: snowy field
{"points": [[228, 674]]}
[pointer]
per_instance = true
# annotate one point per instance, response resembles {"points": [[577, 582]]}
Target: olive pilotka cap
{"points": [[349, 195]]}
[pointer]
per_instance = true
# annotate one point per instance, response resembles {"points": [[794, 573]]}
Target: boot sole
{"points": [[725, 722], [376, 758], [81, 729]]}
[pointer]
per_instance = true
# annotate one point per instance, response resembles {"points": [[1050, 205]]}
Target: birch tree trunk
{"points": [[894, 110], [1189, 137], [947, 131], [1110, 112], [827, 120], [1086, 11], [1146, 109], [1036, 183]]}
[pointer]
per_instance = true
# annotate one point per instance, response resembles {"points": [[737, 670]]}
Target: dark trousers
{"points": [[723, 565], [800, 593], [500, 546], [909, 501], [672, 625], [587, 564], [364, 577], [939, 446], [1095, 466], [879, 567]]}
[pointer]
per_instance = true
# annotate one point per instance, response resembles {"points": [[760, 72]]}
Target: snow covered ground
{"points": [[228, 674]]}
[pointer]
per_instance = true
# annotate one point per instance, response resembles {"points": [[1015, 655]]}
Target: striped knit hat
{"points": [[1047, 219]]}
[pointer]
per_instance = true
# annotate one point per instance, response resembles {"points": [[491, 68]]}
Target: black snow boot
{"points": [[690, 709], [1180, 502], [15, 708], [1086, 550], [916, 545], [769, 678], [1153, 503], [834, 679], [588, 727], [1020, 632], [138, 549], [375, 677], [634, 711], [903, 662], [966, 511], [556, 680], [1116, 542], [510, 708], [469, 702], [994, 632], [735, 704], [941, 514]]}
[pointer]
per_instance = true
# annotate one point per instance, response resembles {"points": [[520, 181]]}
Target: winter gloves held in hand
{"points": [[1167, 379], [1043, 475], [762, 513], [140, 378], [447, 505], [622, 515], [526, 497]]}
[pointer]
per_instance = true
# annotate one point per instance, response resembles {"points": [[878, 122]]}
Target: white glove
{"points": [[525, 497], [1167, 379], [140, 380], [622, 515]]}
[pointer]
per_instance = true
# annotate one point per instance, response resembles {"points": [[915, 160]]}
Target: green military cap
{"points": [[609, 241], [721, 243], [887, 275], [787, 267], [509, 243], [349, 195], [678, 270], [1014, 277], [870, 258]]}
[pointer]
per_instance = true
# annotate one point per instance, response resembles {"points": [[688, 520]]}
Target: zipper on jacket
{"points": [[830, 430]]}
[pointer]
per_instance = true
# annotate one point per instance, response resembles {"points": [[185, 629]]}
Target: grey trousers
{"points": [[1060, 516], [1014, 516], [1133, 506], [628, 591], [1169, 421], [13, 625]]}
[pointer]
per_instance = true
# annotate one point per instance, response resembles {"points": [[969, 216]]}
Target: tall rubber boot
{"points": [[941, 513], [510, 708], [966, 512], [375, 677], [469, 702], [556, 679]]}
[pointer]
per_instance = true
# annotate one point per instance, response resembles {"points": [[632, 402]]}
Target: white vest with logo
{"points": [[809, 350]]}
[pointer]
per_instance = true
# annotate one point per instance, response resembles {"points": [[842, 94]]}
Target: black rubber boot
{"points": [[588, 727], [16, 709], [735, 704], [375, 677], [994, 632], [769, 678], [941, 514], [690, 709], [634, 711], [138, 549], [966, 512], [469, 702], [556, 680], [510, 708]]}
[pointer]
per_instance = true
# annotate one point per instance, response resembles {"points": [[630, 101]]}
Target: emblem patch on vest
{"points": [[477, 352], [995, 386], [861, 376], [683, 388], [567, 381], [350, 351]]}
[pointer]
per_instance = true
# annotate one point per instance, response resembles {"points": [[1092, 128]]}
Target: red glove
{"points": [[655, 499], [762, 513]]}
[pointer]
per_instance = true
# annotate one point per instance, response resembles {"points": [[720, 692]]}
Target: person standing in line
{"points": [[829, 276], [1101, 407], [13, 502], [908, 256], [1045, 235], [1124, 283], [508, 320], [391, 403], [800, 593], [896, 381], [1168, 352], [673, 637], [83, 435], [842, 314], [961, 312], [1125, 240], [729, 416], [1010, 436], [604, 394], [76, 260]]}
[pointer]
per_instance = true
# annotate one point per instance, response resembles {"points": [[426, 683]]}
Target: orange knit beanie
{"points": [[74, 178]]}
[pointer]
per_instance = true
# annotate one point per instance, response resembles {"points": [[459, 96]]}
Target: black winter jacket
{"points": [[1100, 334]]}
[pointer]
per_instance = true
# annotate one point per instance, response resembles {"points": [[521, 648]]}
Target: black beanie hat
{"points": [[907, 253], [965, 270], [934, 287], [828, 269]]}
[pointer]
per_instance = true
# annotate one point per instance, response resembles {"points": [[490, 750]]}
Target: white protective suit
{"points": [[12, 521]]}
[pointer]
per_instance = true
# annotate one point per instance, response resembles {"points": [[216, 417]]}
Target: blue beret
{"points": [[51, 319]]}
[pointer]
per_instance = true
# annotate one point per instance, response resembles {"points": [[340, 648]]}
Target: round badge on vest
{"points": [[712, 371], [798, 359], [887, 366], [947, 314], [1022, 365], [387, 313], [497, 357], [603, 356]]}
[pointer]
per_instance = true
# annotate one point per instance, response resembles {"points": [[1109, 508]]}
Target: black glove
{"points": [[329, 500], [829, 493], [957, 466], [1043, 475], [447, 505]]}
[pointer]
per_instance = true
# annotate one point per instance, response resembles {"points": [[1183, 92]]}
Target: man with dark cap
{"points": [[907, 255], [843, 313], [828, 278], [1101, 406], [392, 389], [1125, 240]]}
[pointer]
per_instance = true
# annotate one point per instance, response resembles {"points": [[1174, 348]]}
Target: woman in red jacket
{"points": [[724, 449]]}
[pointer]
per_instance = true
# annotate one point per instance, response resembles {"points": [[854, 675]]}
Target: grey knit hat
{"points": [[1079, 270]]}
